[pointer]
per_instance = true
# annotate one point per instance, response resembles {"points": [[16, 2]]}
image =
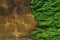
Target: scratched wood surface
{"points": [[16, 20]]}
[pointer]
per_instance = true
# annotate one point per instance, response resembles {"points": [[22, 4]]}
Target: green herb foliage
{"points": [[47, 15]]}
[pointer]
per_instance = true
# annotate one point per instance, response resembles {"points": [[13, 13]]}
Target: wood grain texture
{"points": [[16, 19]]}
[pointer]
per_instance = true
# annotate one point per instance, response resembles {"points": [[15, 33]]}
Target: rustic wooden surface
{"points": [[16, 20]]}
